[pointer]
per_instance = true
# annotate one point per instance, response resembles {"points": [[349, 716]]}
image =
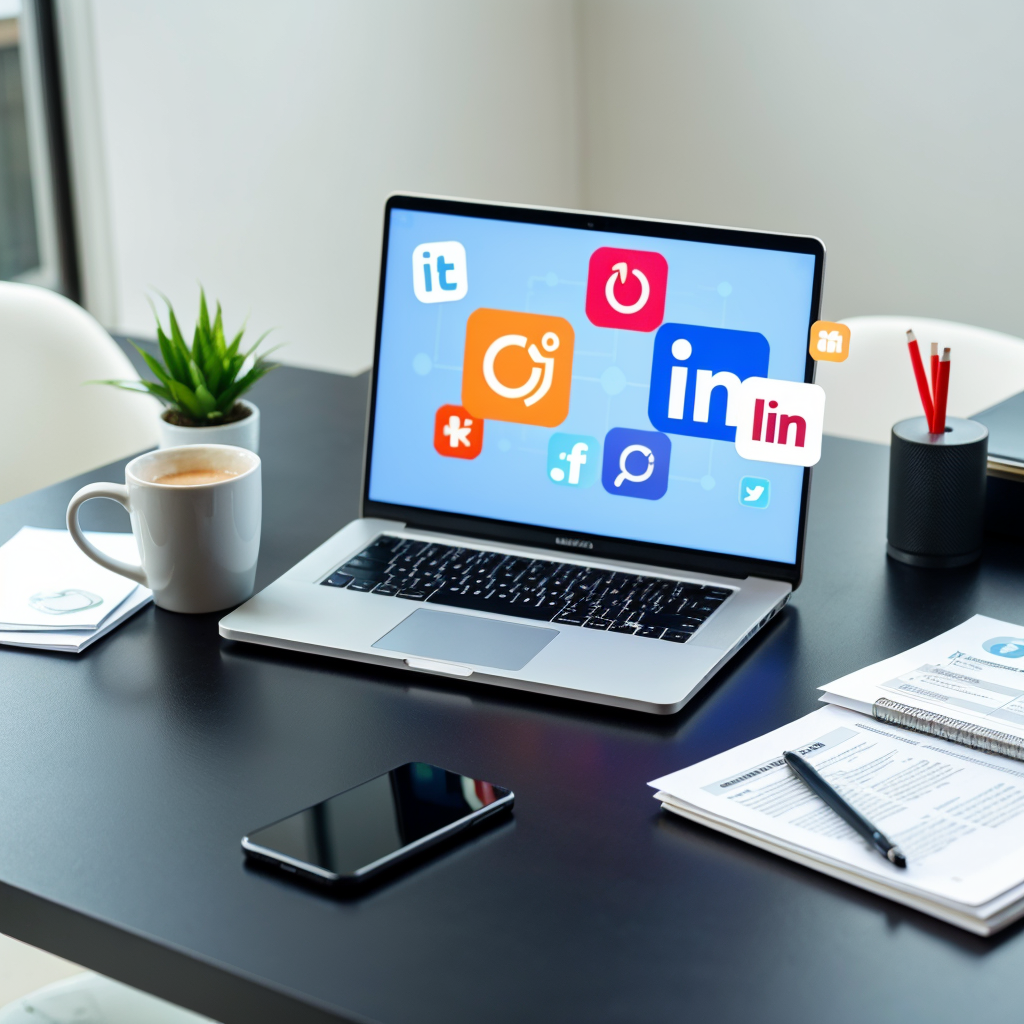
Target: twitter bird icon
{"points": [[754, 492]]}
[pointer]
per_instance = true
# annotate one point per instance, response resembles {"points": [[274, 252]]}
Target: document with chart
{"points": [[957, 814], [966, 685]]}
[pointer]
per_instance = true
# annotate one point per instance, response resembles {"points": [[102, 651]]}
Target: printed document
{"points": [[957, 813]]}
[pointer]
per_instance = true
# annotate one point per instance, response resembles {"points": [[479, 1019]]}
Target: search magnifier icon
{"points": [[624, 473], [635, 463]]}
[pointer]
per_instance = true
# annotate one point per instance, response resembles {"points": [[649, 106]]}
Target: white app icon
{"points": [[779, 421], [620, 272], [530, 392], [457, 431], [754, 493], [439, 272], [830, 341]]}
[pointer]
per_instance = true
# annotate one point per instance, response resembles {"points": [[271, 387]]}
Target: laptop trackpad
{"points": [[450, 636]]}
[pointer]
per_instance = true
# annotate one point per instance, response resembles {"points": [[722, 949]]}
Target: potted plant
{"points": [[202, 385]]}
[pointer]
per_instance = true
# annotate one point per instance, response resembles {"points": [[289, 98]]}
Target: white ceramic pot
{"points": [[242, 433]]}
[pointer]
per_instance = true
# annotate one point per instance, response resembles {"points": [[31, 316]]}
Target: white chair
{"points": [[92, 999], [875, 388], [52, 424]]}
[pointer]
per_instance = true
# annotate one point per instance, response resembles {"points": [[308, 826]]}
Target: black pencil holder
{"points": [[937, 493]]}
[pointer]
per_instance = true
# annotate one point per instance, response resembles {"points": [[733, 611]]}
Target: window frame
{"points": [[45, 121]]}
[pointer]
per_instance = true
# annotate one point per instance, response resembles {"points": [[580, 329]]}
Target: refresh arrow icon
{"points": [[620, 271]]}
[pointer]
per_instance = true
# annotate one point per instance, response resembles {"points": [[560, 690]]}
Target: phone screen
{"points": [[356, 829]]}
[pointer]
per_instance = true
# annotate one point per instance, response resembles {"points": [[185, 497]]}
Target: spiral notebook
{"points": [[966, 686]]}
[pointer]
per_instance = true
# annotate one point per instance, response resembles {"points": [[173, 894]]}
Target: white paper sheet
{"points": [[75, 641], [47, 583], [957, 814], [974, 673]]}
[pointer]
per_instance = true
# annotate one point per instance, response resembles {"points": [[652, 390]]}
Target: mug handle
{"points": [[118, 493]]}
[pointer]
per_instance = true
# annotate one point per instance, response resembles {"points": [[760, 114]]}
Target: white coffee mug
{"points": [[198, 543]]}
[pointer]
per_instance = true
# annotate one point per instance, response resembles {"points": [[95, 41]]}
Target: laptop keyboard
{"points": [[560, 592]]}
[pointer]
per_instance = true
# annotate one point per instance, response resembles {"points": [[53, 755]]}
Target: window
{"points": [[36, 232]]}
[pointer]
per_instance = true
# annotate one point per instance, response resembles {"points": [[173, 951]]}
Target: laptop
{"points": [[552, 498]]}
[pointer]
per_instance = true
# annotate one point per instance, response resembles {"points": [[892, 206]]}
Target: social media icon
{"points": [[574, 460], [517, 367], [696, 375], [779, 421], [457, 434], [829, 342], [439, 272], [755, 492], [626, 289], [1005, 646], [636, 463]]}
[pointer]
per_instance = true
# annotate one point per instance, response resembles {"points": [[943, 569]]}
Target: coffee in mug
{"points": [[196, 513], [191, 477]]}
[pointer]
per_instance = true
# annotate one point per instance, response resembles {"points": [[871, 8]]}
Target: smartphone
{"points": [[355, 835]]}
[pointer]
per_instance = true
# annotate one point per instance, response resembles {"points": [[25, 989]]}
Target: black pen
{"points": [[807, 774]]}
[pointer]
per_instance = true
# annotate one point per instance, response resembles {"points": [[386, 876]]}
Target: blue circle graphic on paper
{"points": [[64, 602], [1005, 646]]}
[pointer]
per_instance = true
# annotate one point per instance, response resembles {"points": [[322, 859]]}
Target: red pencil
{"points": [[933, 367], [942, 393], [922, 380]]}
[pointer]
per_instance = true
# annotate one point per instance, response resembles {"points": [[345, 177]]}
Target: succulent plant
{"points": [[200, 384]]}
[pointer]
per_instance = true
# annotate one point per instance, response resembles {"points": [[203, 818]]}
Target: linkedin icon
{"points": [[696, 375]]}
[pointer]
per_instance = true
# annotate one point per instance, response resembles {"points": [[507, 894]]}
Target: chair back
{"points": [[53, 424], [875, 388]]}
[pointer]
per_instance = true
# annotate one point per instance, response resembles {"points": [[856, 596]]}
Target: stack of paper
{"points": [[957, 813], [55, 598]]}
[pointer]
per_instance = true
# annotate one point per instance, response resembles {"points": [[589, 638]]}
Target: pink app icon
{"points": [[626, 289]]}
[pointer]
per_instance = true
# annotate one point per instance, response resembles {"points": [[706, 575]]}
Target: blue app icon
{"points": [[574, 460], [1005, 646], [695, 378], [755, 492], [636, 463]]}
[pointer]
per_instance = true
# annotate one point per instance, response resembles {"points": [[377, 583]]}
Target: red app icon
{"points": [[626, 289], [457, 434]]}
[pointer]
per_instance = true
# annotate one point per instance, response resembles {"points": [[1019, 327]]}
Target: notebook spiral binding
{"points": [[966, 733]]}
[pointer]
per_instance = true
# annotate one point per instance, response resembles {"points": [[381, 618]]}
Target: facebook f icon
{"points": [[574, 460], [696, 376]]}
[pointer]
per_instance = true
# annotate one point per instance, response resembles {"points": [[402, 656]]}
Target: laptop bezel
{"points": [[569, 541]]}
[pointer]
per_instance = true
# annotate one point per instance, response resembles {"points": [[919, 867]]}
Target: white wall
{"points": [[251, 145], [891, 129]]}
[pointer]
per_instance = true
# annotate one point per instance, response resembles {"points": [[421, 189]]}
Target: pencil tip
{"points": [[911, 336], [945, 355]]}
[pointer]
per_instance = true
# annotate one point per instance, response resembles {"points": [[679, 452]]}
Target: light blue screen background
{"points": [[541, 269]]}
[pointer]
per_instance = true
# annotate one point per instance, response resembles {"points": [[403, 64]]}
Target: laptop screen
{"points": [[581, 380]]}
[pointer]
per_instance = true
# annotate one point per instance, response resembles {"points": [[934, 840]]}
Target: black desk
{"points": [[129, 773]]}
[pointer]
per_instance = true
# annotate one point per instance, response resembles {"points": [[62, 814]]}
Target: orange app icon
{"points": [[517, 367], [830, 342]]}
